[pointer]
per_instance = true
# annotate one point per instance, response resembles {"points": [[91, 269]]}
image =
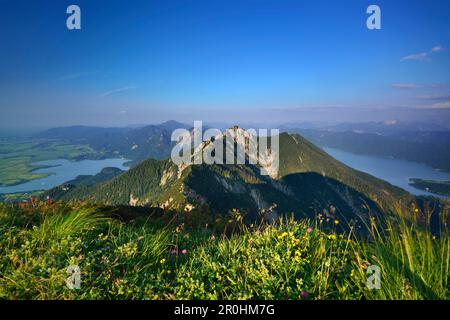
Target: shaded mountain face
{"points": [[309, 182]]}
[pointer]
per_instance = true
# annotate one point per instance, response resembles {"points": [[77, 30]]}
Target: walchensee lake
{"points": [[396, 172], [62, 171]]}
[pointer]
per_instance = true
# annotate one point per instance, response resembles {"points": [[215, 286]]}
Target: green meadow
{"points": [[127, 254]]}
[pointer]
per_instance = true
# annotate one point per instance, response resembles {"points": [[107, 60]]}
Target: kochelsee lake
{"points": [[62, 171], [396, 172]]}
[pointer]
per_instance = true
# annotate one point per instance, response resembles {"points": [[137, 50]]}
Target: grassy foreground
{"points": [[170, 258]]}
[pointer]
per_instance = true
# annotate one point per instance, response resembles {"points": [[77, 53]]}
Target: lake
{"points": [[396, 172], [62, 171]]}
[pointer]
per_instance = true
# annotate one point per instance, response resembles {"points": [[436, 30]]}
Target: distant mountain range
{"points": [[136, 144], [418, 142], [428, 147], [401, 140], [309, 182], [389, 127]]}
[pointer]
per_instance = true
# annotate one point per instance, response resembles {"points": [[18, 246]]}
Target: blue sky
{"points": [[227, 60]]}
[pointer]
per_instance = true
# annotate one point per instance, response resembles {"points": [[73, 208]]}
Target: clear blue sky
{"points": [[247, 60]]}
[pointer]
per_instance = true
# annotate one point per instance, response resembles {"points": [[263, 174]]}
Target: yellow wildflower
{"points": [[283, 235], [332, 237]]}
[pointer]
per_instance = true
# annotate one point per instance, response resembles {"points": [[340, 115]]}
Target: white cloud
{"points": [[407, 86], [437, 49], [423, 56], [437, 106], [108, 93], [418, 56], [441, 105], [434, 97], [412, 86]]}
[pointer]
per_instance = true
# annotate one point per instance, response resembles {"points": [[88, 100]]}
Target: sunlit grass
{"points": [[148, 259]]}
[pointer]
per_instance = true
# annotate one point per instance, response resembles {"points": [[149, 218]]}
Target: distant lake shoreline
{"points": [[60, 171], [397, 172]]}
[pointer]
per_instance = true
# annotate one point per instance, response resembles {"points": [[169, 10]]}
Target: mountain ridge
{"points": [[310, 182]]}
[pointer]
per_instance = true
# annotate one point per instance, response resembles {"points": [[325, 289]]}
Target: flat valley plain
{"points": [[17, 157]]}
